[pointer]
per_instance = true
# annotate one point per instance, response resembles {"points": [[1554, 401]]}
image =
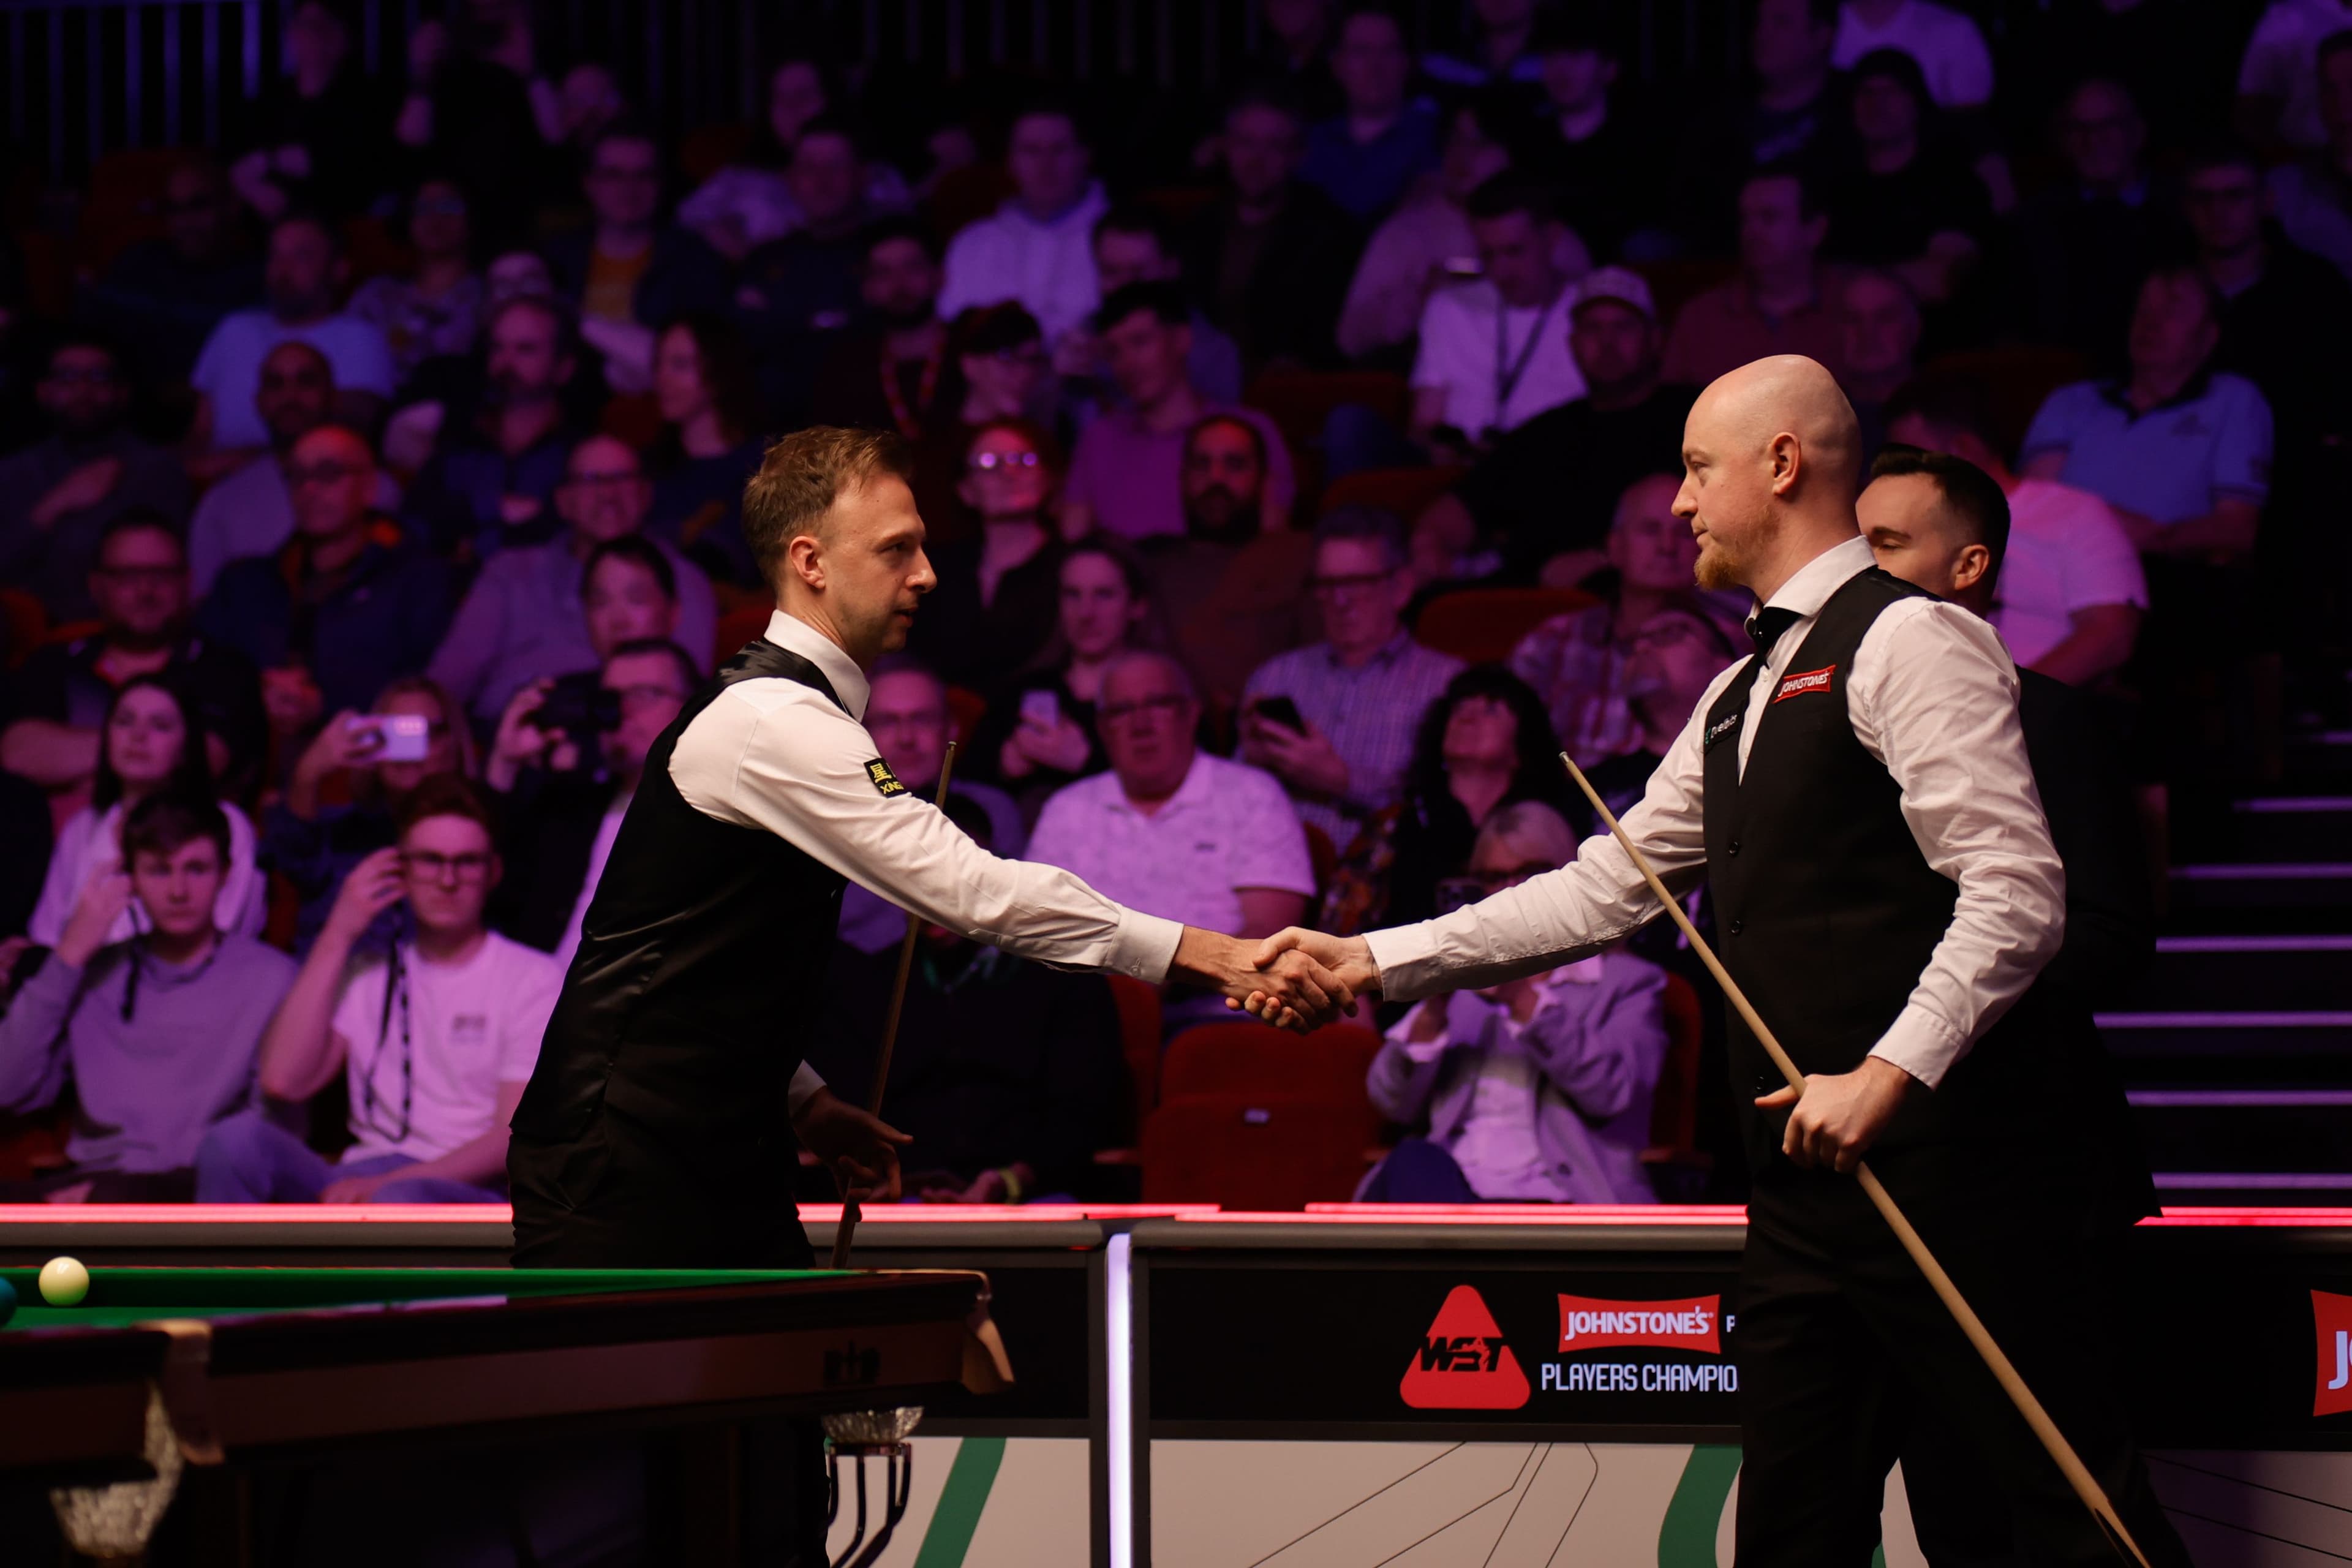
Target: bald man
{"points": [[1857, 796]]}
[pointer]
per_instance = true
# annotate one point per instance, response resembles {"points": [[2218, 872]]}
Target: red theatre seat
{"points": [[1248, 1058], [1482, 625], [1246, 1151]]}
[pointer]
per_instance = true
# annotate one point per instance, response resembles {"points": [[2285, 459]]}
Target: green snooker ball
{"points": [[63, 1282], [7, 1302]]}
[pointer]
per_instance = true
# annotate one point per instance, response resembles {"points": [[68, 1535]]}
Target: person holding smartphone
{"points": [[434, 1038]]}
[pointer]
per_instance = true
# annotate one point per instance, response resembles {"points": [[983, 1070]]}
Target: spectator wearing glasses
{"points": [[1177, 831], [565, 769], [165, 296], [488, 486], [1040, 731], [437, 308], [251, 512], [58, 496], [346, 606], [997, 594], [1536, 1091], [1483, 746], [156, 1034], [53, 717], [709, 447], [154, 745], [1335, 721], [314, 843], [1676, 651], [1126, 474], [524, 618], [436, 1038]]}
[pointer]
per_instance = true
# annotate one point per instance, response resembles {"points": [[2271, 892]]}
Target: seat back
{"points": [[1674, 1109], [1139, 1031], [1482, 625], [1326, 1068], [1406, 492], [1244, 1152]]}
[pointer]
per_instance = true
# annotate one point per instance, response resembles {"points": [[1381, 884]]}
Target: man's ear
{"points": [[1787, 456], [804, 558], [1969, 566]]}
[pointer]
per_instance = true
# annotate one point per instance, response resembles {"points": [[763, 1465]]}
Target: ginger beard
{"points": [[1723, 562]]}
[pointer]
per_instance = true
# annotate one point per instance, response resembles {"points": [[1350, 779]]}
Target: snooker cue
{"points": [[2078, 1476], [848, 1227]]}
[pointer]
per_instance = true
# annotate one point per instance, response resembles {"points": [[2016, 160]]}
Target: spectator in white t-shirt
{"points": [[1494, 352], [305, 278], [2278, 78], [436, 1039], [1170, 829], [2071, 590], [1947, 46]]}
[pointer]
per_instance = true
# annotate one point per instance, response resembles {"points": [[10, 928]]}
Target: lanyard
{"points": [[1507, 376]]}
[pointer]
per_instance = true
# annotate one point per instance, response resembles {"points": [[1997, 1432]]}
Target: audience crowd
{"points": [[1300, 482]]}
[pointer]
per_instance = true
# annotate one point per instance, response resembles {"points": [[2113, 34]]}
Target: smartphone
{"points": [[1280, 710], [399, 737], [1040, 708]]}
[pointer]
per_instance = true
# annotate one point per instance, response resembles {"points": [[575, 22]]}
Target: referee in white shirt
{"points": [[1858, 799]]}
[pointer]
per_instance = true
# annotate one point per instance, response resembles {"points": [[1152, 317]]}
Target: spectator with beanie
{"points": [[1037, 248], [1125, 476], [57, 495], [1549, 488], [489, 485], [1535, 1091], [1783, 302], [305, 279], [53, 708], [153, 1034], [1040, 733], [1335, 721], [1494, 352], [1008, 1075], [524, 620], [348, 604], [1366, 157], [994, 605], [1482, 747], [154, 745], [436, 1038], [1179, 832], [1273, 256], [2072, 592], [1232, 590], [629, 271]]}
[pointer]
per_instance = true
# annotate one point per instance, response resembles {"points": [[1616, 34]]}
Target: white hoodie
{"points": [[1048, 265]]}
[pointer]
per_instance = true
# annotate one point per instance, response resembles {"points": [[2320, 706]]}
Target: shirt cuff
{"points": [[806, 1081], [1922, 1045], [1144, 946], [1397, 953]]}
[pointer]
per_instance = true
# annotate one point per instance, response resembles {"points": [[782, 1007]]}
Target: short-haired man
{"points": [[55, 704], [1366, 157], [1611, 166], [1134, 244], [348, 604], [2308, 196], [1125, 475], [524, 620], [1880, 316], [306, 274], [892, 371], [1798, 110], [2086, 241], [57, 495], [1548, 490], [1037, 248], [1231, 589], [489, 485], [1493, 351], [2071, 591], [156, 1036], [1783, 302], [1189, 836], [434, 1038], [1334, 720], [798, 293]]}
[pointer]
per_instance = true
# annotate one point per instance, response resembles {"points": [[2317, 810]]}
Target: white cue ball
{"points": [[63, 1282]]}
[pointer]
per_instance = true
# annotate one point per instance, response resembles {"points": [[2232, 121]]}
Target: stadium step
{"points": [[2219, 1048], [2280, 973], [2248, 1131], [2292, 827], [2281, 897]]}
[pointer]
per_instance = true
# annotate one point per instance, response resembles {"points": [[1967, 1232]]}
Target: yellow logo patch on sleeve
{"points": [[886, 783]]}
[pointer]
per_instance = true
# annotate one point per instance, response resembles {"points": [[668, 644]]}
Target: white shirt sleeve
{"points": [[1934, 697], [1574, 911], [776, 755]]}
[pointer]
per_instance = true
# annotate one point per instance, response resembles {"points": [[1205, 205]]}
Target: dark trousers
{"points": [[1848, 1359], [622, 1197]]}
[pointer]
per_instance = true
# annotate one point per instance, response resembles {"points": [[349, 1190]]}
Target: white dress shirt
{"points": [[1933, 696], [775, 754]]}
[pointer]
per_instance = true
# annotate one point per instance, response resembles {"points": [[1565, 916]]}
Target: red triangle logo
{"points": [[1463, 1362]]}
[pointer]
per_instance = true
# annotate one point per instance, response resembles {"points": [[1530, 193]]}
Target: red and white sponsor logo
{"points": [[1808, 680], [2331, 1321], [1587, 1323]]}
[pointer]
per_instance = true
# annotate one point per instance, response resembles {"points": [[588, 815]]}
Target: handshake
{"points": [[1296, 979]]}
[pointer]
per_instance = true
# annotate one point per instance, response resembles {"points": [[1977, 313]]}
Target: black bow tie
{"points": [[1765, 627]]}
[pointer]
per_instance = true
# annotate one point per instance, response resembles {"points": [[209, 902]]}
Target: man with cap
{"points": [[1858, 799], [1549, 486]]}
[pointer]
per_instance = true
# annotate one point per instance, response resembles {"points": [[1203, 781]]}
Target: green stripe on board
{"points": [[957, 1517], [1686, 1538]]}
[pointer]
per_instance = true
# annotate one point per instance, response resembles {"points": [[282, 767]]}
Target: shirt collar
{"points": [[797, 635], [1387, 652], [1806, 591], [2116, 392]]}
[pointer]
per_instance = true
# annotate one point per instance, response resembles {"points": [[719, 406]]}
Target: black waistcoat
{"points": [[702, 961], [1826, 911]]}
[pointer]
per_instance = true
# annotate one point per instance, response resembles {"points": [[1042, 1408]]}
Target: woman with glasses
{"points": [[1534, 1091], [1483, 746], [436, 308], [434, 1037], [998, 593], [152, 743]]}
